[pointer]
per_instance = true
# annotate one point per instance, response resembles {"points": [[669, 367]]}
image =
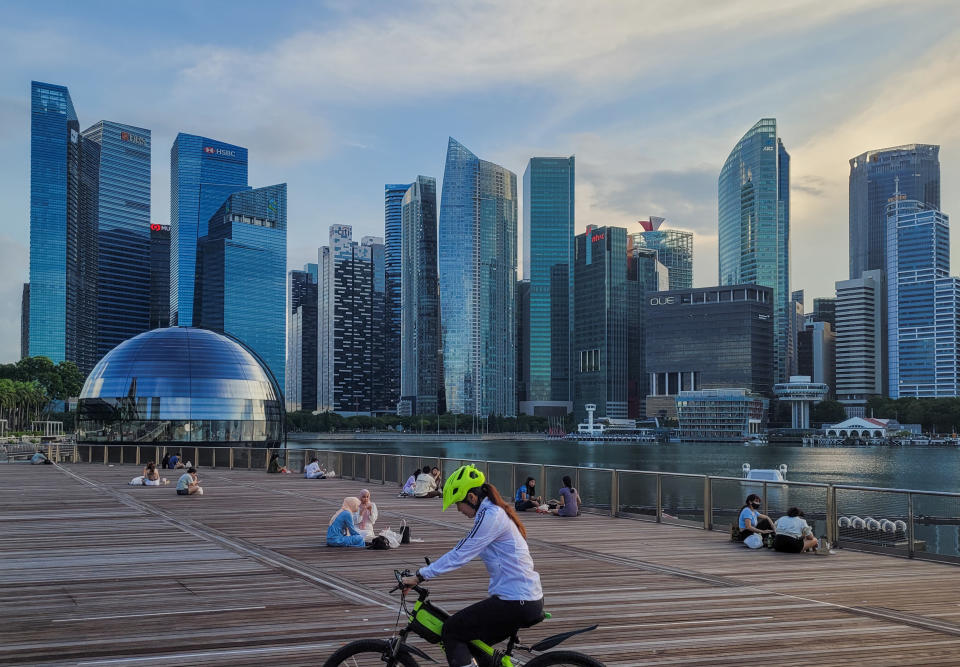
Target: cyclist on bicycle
{"points": [[499, 538]]}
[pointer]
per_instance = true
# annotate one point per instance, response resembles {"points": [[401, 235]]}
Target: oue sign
{"points": [[663, 300]]}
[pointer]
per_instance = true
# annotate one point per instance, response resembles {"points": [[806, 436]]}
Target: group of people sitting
{"points": [[790, 534], [425, 482], [568, 504], [352, 524], [150, 476], [174, 462], [314, 470]]}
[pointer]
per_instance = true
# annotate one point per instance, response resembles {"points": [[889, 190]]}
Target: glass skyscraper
{"points": [[548, 253], [674, 250], [872, 182], [159, 276], [301, 372], [123, 233], [393, 194], [241, 271], [754, 226], [478, 276], [923, 302], [203, 173], [421, 363]]}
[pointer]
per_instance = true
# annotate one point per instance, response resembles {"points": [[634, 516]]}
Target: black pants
{"points": [[762, 524], [788, 544], [524, 505], [491, 621]]}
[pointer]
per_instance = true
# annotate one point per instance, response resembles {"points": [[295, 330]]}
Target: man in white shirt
{"points": [[313, 470], [426, 486]]}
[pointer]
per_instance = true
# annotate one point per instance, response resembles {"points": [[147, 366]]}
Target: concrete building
{"points": [[801, 393], [816, 353], [720, 415], [861, 366]]}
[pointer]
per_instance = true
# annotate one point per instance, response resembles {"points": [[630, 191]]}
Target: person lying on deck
{"points": [[340, 531]]}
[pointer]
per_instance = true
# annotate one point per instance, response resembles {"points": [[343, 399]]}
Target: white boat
{"points": [[778, 474]]}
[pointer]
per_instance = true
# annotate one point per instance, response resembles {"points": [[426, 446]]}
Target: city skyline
{"points": [[635, 160]]}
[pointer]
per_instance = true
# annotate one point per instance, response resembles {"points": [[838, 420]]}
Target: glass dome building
{"points": [[181, 385]]}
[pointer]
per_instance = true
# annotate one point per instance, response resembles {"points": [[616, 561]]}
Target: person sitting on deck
{"points": [[173, 461], [794, 534], [40, 458], [165, 461], [366, 515], [151, 476], [411, 484], [435, 473], [340, 531], [274, 465], [525, 500], [426, 486], [751, 521], [189, 483], [569, 500], [313, 470]]}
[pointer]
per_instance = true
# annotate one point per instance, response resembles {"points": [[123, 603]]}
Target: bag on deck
{"points": [[754, 541], [404, 533], [379, 543]]}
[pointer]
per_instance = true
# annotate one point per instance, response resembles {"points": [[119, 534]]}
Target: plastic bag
{"points": [[392, 537], [754, 541]]}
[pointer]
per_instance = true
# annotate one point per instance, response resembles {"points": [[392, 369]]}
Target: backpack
{"points": [[379, 543]]}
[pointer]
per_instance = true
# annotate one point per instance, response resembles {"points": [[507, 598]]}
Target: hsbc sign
{"points": [[133, 138], [223, 152]]}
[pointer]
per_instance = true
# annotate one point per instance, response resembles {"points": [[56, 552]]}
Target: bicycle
{"points": [[426, 620]]}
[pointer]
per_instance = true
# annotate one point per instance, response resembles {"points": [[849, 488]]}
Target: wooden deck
{"points": [[95, 572]]}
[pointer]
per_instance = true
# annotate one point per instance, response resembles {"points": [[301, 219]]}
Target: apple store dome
{"points": [[181, 385]]}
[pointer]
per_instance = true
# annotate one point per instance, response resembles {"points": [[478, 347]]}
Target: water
{"points": [[923, 468]]}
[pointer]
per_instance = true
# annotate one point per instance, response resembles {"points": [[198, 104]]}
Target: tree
{"points": [[828, 412]]}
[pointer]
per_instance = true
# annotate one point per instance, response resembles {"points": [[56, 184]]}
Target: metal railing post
{"points": [[765, 499], [911, 546], [230, 459], [707, 503], [832, 524], [614, 493], [367, 463], [659, 498]]}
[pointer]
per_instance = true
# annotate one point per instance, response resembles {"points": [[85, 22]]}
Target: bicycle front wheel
{"points": [[564, 658], [369, 653]]}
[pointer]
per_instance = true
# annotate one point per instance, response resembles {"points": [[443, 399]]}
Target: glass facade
{"points": [[203, 173], [922, 302], [720, 415], [421, 364], [180, 385], [301, 371], [674, 250], [874, 176], [241, 273], [393, 195], [159, 276], [754, 226], [548, 232], [123, 232], [25, 322], [478, 275]]}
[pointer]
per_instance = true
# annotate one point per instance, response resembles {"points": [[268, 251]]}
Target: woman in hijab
{"points": [[366, 515], [341, 532]]}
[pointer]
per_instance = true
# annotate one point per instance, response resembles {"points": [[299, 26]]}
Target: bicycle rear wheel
{"points": [[368, 653], [564, 658]]}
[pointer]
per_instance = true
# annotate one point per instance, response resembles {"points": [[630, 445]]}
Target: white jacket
{"points": [[495, 538]]}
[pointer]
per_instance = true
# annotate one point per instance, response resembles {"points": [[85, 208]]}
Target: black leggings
{"points": [[491, 621]]}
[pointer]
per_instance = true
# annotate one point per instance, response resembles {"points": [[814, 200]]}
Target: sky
{"points": [[338, 98]]}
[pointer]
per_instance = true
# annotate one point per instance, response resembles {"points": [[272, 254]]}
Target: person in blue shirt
{"points": [[524, 499], [39, 458], [751, 521], [172, 463], [341, 532]]}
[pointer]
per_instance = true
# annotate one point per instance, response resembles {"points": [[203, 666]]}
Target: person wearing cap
{"points": [[499, 538], [794, 533]]}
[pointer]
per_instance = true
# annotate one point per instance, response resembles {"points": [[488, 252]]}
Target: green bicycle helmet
{"points": [[459, 484]]}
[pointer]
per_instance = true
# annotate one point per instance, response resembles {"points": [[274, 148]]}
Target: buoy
{"points": [[873, 524], [856, 522], [901, 525], [844, 522], [888, 526]]}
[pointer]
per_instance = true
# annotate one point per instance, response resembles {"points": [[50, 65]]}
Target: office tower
{"points": [[393, 194], [674, 250], [861, 363], [203, 173], [816, 350], [608, 328], [754, 226], [922, 302], [344, 324], [63, 231], [797, 323], [825, 310], [384, 394], [301, 370], [25, 322], [159, 276], [708, 338], [241, 270], [421, 362], [478, 276], [523, 343], [872, 182], [123, 233], [645, 274], [548, 231]]}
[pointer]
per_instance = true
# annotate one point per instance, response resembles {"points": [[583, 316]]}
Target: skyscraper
{"points": [[478, 274], [872, 182], [241, 270], [923, 302], [754, 225], [123, 232], [393, 194], [384, 392], [421, 364], [861, 369], [825, 310], [344, 321], [301, 371], [159, 276], [203, 173], [674, 250], [25, 322], [548, 251], [64, 174]]}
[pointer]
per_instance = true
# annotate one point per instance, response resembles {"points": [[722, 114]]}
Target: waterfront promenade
{"points": [[99, 573]]}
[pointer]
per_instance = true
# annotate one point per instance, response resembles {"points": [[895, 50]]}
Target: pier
{"points": [[96, 572]]}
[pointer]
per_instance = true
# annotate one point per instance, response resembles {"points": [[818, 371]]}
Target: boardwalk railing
{"points": [[901, 522]]}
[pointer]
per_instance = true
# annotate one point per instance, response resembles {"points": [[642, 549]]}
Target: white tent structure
{"points": [[858, 427]]}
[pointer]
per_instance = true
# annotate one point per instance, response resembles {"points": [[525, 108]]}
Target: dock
{"points": [[96, 572]]}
